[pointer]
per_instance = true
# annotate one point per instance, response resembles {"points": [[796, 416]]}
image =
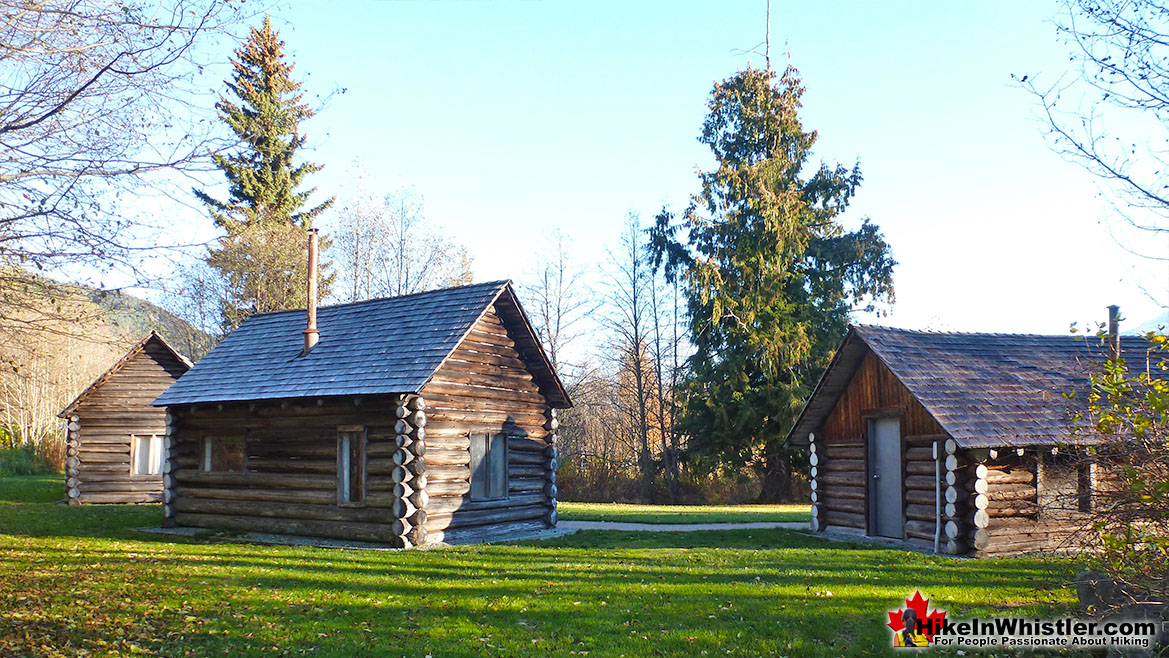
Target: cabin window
{"points": [[224, 454], [488, 466], [1065, 483], [351, 465], [146, 455]]}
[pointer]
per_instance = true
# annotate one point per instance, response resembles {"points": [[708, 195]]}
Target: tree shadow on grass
{"points": [[750, 592]]}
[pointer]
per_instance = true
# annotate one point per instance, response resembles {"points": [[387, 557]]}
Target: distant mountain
{"points": [[1157, 323], [133, 318], [56, 338]]}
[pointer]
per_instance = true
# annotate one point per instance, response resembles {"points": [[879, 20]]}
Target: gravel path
{"points": [[678, 527]]}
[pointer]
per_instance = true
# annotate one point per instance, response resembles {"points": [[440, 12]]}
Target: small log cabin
{"points": [[405, 421], [958, 442], [114, 437]]}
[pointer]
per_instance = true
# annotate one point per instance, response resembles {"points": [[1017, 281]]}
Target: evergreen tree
{"points": [[769, 273], [266, 215]]}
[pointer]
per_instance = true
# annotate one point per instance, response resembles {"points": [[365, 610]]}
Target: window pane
{"points": [[1084, 487], [343, 468], [350, 467], [226, 454], [478, 466], [356, 468], [156, 455], [140, 448], [498, 469]]}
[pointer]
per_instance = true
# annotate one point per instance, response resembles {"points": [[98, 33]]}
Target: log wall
{"points": [[289, 485], [417, 450], [98, 444], [995, 502], [1022, 515], [840, 464], [486, 388]]}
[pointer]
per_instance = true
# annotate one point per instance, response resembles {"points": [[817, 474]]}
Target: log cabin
{"points": [[404, 421], [114, 437], [959, 442]]}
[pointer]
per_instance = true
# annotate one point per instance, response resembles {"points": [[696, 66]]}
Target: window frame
{"points": [[154, 454], [207, 456], [493, 471], [351, 440]]}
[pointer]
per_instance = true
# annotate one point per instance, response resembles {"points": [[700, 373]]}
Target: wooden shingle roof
{"points": [[985, 390], [380, 346]]}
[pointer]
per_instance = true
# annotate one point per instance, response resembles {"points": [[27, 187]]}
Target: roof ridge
{"points": [[933, 332], [497, 283]]}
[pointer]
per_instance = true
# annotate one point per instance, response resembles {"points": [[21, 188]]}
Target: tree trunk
{"points": [[778, 483]]}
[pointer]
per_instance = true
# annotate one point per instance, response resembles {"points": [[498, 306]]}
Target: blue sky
{"points": [[514, 118]]}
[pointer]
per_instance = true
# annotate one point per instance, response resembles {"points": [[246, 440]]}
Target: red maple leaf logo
{"points": [[931, 622]]}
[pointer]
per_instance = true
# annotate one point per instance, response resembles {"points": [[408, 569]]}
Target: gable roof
{"points": [[381, 346], [138, 348], [985, 390]]}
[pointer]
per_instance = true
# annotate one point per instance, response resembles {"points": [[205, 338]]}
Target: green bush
{"points": [[23, 460]]}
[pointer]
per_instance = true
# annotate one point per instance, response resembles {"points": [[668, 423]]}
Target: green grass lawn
{"points": [[79, 581], [682, 513], [31, 488]]}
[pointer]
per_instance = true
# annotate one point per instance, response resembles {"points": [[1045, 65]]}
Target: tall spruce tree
{"points": [[266, 214], [769, 273]]}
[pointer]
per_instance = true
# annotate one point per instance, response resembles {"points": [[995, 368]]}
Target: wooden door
{"points": [[885, 513]]}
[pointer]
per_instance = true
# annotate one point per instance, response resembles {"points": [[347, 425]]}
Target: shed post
{"points": [[170, 456], [957, 498], [813, 461], [72, 459], [978, 487], [552, 463], [1113, 332]]}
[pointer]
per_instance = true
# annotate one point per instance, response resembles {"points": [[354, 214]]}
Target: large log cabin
{"points": [[955, 442], [405, 421], [114, 437]]}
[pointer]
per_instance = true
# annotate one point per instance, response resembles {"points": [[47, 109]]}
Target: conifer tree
{"points": [[769, 272], [266, 215]]}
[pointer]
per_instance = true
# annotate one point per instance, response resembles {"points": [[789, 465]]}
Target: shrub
{"points": [[23, 460], [1128, 532]]}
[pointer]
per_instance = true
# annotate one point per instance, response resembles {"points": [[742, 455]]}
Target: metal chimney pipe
{"points": [[1114, 332], [311, 335]]}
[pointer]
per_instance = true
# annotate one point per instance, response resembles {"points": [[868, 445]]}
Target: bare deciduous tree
{"points": [[386, 247], [1112, 117], [196, 294], [667, 359], [43, 368], [630, 327], [558, 299], [97, 100]]}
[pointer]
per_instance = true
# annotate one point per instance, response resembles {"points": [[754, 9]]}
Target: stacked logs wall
{"points": [[840, 442], [486, 388], [418, 451], [98, 440], [1015, 521]]}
